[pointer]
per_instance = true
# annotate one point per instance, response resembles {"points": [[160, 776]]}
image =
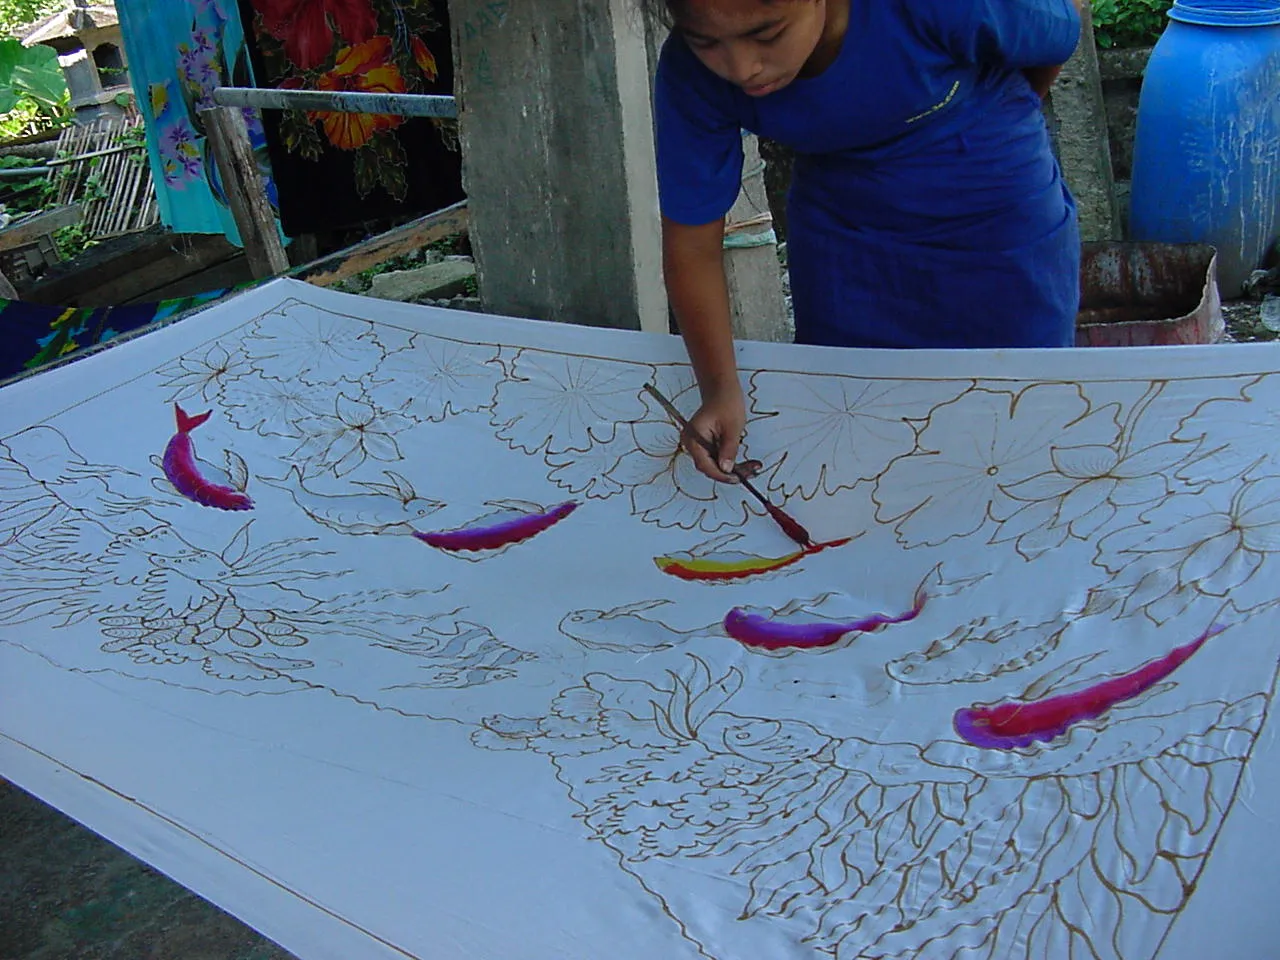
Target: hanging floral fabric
{"points": [[367, 166], [179, 52]]}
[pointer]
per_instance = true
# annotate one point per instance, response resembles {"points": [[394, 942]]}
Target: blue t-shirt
{"points": [[927, 208]]}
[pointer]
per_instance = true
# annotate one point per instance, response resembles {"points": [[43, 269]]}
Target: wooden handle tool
{"points": [[790, 526]]}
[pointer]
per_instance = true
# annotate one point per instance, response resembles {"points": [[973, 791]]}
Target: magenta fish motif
{"points": [[753, 630], [1013, 724], [183, 471], [482, 536]]}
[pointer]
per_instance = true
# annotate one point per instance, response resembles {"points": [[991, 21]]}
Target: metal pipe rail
{"points": [[339, 101]]}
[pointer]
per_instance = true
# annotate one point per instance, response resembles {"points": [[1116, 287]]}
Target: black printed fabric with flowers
{"points": [[368, 166]]}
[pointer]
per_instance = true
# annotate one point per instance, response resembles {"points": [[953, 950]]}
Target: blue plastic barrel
{"points": [[1206, 165]]}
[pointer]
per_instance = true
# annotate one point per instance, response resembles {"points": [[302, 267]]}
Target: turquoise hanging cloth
{"points": [[179, 52]]}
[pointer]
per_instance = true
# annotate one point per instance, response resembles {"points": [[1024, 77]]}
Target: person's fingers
{"points": [[693, 441], [728, 450], [749, 468]]}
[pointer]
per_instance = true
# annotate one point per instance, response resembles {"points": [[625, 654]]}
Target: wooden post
{"points": [[246, 193], [759, 309]]}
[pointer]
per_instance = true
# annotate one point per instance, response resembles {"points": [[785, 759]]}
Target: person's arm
{"points": [[1042, 78], [693, 265]]}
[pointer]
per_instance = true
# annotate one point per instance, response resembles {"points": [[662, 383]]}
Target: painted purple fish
{"points": [[753, 630], [1013, 724], [182, 470], [495, 536]]}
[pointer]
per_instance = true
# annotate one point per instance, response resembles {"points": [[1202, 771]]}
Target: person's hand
{"points": [[718, 425]]}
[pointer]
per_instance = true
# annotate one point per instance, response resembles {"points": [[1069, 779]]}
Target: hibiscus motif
{"points": [[975, 448], [307, 26], [364, 68], [356, 432], [1191, 548], [1084, 491]]}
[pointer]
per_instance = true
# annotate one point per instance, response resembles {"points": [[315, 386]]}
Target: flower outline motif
{"points": [[1087, 487], [970, 450], [556, 403], [667, 489], [315, 345], [817, 441], [206, 376], [357, 431], [1191, 548], [434, 378], [1252, 412]]}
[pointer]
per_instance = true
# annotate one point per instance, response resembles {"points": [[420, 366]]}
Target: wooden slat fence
{"points": [[103, 166]]}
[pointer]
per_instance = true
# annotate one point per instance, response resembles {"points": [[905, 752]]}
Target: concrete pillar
{"points": [[751, 258], [558, 160], [81, 74], [1078, 116]]}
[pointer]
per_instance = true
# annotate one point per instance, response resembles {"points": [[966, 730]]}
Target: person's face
{"points": [[758, 45]]}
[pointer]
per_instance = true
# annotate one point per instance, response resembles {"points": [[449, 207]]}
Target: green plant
{"points": [[1129, 23], [16, 14], [72, 241], [24, 196], [33, 92]]}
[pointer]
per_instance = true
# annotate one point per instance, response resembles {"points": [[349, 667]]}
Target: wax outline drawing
{"points": [[647, 749]]}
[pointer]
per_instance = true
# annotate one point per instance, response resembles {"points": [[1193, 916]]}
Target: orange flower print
{"points": [[365, 68], [426, 60]]}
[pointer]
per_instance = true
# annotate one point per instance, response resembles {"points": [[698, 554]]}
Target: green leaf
{"points": [[366, 170], [300, 134], [391, 161], [31, 72]]}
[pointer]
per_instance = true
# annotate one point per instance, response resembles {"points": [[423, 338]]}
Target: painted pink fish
{"points": [[753, 630], [1012, 723], [495, 536], [182, 470]]}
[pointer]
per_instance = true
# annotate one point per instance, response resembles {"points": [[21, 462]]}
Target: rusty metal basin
{"points": [[1148, 294]]}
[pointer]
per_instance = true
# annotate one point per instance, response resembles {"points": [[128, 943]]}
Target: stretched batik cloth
{"points": [[400, 633], [366, 166], [33, 335], [180, 51]]}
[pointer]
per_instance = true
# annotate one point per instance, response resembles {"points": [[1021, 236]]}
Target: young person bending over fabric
{"points": [[927, 208]]}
